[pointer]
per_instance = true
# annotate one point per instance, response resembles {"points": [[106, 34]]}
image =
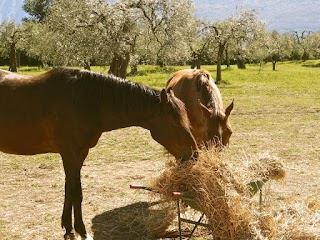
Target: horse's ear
{"points": [[206, 111], [229, 109], [164, 97]]}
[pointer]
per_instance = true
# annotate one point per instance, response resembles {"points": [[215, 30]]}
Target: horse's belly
{"points": [[27, 139]]}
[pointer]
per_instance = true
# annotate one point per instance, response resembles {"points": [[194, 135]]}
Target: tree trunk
{"points": [[13, 58], [219, 62], [227, 58], [240, 63], [196, 61], [134, 70], [305, 56], [124, 65], [18, 59], [274, 65], [119, 65], [114, 66], [87, 65]]}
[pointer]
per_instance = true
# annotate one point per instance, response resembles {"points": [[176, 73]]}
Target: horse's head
{"points": [[172, 128], [218, 126]]}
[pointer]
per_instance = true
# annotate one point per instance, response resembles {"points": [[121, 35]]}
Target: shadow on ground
{"points": [[138, 221]]}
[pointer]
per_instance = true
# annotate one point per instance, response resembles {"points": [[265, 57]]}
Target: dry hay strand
{"points": [[298, 220], [267, 168], [222, 197], [223, 192]]}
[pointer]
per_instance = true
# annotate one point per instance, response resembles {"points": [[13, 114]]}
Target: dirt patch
{"points": [[32, 194]]}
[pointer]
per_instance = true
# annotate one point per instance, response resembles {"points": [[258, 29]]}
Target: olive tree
{"points": [[234, 33], [72, 32], [41, 44], [11, 37], [311, 46], [37, 9], [279, 47], [81, 32], [167, 30]]}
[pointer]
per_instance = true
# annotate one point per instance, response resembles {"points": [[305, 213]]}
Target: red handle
{"points": [[177, 194], [136, 186]]}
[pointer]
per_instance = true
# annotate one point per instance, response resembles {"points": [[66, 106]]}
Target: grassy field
{"points": [[276, 113]]}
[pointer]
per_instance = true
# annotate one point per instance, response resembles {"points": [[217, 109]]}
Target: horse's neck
{"points": [[116, 120], [132, 115], [116, 103]]}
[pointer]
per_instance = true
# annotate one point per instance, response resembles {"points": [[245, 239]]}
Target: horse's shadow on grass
{"points": [[138, 221]]}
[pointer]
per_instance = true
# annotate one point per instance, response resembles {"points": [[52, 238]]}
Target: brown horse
{"points": [[202, 98], [65, 111]]}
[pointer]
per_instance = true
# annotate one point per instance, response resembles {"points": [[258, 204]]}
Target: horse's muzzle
{"points": [[187, 158]]}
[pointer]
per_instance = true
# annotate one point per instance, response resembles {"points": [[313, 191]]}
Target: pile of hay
{"points": [[223, 194]]}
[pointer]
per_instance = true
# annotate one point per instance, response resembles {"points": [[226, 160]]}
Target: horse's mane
{"points": [[100, 88], [207, 95], [120, 94]]}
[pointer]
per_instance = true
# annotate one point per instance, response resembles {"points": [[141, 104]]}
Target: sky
{"points": [[281, 15], [11, 10]]}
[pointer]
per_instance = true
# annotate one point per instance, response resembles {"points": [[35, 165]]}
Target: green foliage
{"points": [[37, 9]]}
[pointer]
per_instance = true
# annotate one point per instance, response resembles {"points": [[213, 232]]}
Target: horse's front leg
{"points": [[66, 221], [77, 206], [73, 198]]}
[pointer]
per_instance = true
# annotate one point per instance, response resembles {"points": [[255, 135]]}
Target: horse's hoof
{"points": [[71, 236], [88, 237], [76, 236]]}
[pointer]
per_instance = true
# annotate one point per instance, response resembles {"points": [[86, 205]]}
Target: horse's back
{"points": [[22, 94], [35, 111], [43, 113]]}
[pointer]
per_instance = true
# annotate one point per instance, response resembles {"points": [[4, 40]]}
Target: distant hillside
{"points": [[282, 15]]}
